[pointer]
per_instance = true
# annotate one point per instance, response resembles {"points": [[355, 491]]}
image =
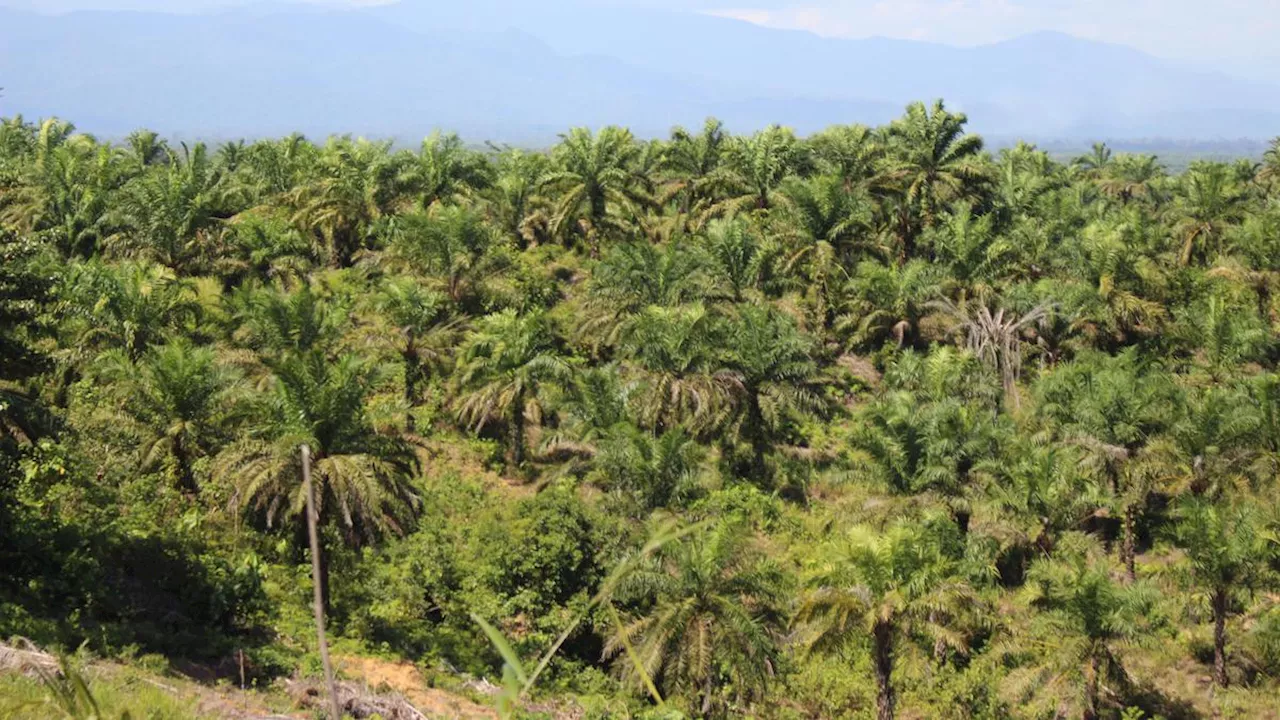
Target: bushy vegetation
{"points": [[924, 430]]}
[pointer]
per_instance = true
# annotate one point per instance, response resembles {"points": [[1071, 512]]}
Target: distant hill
{"points": [[522, 72]]}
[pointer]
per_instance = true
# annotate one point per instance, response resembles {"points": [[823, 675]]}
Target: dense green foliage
{"points": [[950, 434]]}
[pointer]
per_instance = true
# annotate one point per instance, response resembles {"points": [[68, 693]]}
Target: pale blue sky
{"points": [[1238, 36]]}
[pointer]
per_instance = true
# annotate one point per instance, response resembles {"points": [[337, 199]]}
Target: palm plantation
{"points": [[870, 422]]}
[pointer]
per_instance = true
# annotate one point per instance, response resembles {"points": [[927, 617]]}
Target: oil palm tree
{"points": [[128, 306], [680, 381], [445, 170], [147, 148], [828, 229], [452, 246], [1132, 178], [1213, 445], [309, 391], [931, 161], [635, 275], [741, 260], [17, 139], [63, 190], [1113, 408], [1035, 491], [592, 406], [1263, 392], [882, 586], [1224, 333], [1025, 174], [756, 167], [658, 471], [1118, 300], [275, 321], [353, 186], [887, 302], [24, 290], [693, 167], [595, 188], [1209, 203], [775, 376], [180, 398], [362, 476], [1083, 619], [170, 214], [707, 620], [1097, 161], [505, 361], [264, 244], [970, 245], [1269, 173], [516, 202], [422, 333], [1248, 266], [272, 168], [849, 152], [931, 427], [230, 156], [1227, 552]]}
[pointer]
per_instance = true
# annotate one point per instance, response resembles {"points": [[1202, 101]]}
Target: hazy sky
{"points": [[1235, 35], [1228, 34]]}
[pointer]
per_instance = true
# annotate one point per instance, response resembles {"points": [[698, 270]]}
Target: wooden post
{"points": [[314, 534]]}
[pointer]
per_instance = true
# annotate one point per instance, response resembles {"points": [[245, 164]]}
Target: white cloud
{"points": [[768, 18]]}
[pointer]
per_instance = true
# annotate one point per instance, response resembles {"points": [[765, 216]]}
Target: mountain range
{"points": [[518, 71]]}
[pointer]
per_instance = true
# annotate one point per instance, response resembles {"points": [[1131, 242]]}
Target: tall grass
{"points": [[73, 694]]}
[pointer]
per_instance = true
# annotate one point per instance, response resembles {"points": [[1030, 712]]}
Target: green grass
{"points": [[119, 695], [114, 691]]}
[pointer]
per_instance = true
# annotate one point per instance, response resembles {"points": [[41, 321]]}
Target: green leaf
{"points": [[503, 647]]}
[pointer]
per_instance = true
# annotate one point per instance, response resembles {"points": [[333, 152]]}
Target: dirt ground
{"points": [[405, 679]]}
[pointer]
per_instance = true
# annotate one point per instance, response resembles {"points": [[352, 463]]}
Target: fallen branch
{"points": [[23, 657], [357, 701]]}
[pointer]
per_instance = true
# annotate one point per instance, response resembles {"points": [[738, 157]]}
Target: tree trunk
{"points": [[412, 374], [1044, 541], [516, 451], [321, 510], [939, 645], [756, 432], [599, 210], [882, 647], [1091, 689], [907, 235], [708, 693], [319, 582], [323, 561], [342, 253], [186, 477], [1127, 551], [1220, 601]]}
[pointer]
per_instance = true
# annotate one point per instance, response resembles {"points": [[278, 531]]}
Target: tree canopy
{"points": [[876, 422]]}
